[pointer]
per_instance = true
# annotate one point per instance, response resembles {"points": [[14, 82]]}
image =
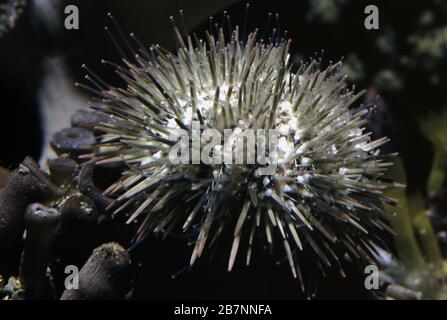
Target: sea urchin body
{"points": [[326, 192]]}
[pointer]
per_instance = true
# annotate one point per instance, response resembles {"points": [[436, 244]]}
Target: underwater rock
{"points": [[105, 275], [40, 222], [72, 140], [27, 184]]}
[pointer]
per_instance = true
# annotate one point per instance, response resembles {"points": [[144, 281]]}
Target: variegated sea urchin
{"points": [[326, 194]]}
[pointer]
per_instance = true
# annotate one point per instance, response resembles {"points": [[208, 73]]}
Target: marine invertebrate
{"points": [[326, 193]]}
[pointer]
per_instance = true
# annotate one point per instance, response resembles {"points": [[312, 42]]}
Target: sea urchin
{"points": [[325, 193]]}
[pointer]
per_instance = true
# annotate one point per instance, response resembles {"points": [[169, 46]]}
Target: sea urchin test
{"points": [[246, 146], [325, 195]]}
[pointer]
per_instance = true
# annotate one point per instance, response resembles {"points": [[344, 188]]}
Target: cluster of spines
{"points": [[327, 191]]}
